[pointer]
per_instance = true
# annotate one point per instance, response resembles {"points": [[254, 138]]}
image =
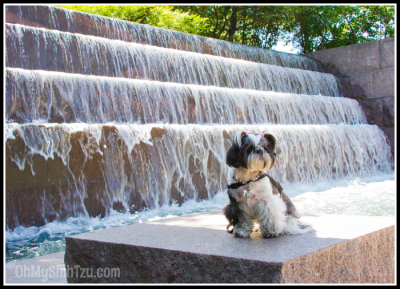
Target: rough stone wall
{"points": [[366, 72]]}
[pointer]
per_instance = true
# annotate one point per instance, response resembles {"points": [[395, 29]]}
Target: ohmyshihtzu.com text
{"points": [[53, 271]]}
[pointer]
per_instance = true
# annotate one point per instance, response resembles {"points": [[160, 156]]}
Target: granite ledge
{"points": [[197, 249]]}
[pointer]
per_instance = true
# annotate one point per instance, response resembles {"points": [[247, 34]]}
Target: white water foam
{"points": [[367, 196]]}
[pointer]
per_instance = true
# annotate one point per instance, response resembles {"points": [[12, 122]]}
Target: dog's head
{"points": [[254, 152]]}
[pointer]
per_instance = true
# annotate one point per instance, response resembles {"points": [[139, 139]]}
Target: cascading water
{"points": [[149, 165], [90, 55], [127, 132], [63, 97], [89, 24]]}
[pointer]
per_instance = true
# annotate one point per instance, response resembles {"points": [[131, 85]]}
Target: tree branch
{"points": [[216, 22]]}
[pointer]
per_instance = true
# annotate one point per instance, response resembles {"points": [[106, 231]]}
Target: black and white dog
{"points": [[254, 196]]}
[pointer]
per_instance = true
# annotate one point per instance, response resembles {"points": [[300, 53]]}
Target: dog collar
{"points": [[260, 176], [240, 183]]}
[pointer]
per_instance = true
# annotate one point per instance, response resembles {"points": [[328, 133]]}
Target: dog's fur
{"points": [[248, 158]]}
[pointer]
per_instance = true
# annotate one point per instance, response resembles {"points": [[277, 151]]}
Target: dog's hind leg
{"points": [[269, 229], [271, 216]]}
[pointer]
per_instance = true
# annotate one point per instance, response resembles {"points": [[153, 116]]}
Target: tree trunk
{"points": [[232, 27]]}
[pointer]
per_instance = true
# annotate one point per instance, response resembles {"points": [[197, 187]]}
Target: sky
{"points": [[280, 46]]}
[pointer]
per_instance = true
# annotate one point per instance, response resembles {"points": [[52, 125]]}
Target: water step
{"points": [[41, 49], [61, 19], [197, 249], [63, 170], [64, 97]]}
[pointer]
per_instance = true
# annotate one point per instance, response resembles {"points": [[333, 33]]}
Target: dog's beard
{"points": [[257, 162]]}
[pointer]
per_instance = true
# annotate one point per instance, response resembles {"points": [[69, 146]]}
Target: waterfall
{"points": [[62, 97], [88, 24], [89, 55], [104, 115], [148, 165]]}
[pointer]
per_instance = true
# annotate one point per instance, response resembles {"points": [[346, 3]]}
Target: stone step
{"points": [[196, 248], [55, 171], [46, 269], [66, 20], [41, 49], [67, 98]]}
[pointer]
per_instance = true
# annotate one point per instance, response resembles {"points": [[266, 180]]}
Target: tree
{"points": [[159, 16], [252, 25], [321, 27], [308, 28], [382, 19]]}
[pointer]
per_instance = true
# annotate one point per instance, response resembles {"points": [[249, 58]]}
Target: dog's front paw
{"points": [[270, 236], [241, 232]]}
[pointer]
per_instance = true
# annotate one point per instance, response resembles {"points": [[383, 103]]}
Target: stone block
{"points": [[34, 172], [36, 206], [24, 207], [52, 270], [196, 248], [57, 172], [349, 58], [357, 85], [388, 111], [383, 82], [387, 52], [389, 132], [373, 110]]}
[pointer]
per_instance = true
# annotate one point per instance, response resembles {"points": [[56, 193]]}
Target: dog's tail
{"points": [[233, 214], [294, 226]]}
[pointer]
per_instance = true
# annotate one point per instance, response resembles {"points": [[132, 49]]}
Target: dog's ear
{"points": [[271, 141], [234, 158], [237, 139]]}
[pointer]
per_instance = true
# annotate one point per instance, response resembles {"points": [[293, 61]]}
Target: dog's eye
{"points": [[267, 148]]}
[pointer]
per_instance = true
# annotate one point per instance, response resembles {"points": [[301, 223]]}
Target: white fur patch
{"points": [[268, 210], [255, 138], [238, 138]]}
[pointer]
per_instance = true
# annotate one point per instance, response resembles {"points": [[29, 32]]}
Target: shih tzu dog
{"points": [[254, 196]]}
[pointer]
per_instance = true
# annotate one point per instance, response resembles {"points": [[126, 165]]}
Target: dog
{"points": [[254, 196]]}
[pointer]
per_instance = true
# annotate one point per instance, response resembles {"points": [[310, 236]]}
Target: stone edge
{"points": [[365, 259]]}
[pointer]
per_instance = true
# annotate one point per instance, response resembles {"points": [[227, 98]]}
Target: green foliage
{"points": [[311, 28], [321, 27], [252, 25], [159, 16], [383, 19]]}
